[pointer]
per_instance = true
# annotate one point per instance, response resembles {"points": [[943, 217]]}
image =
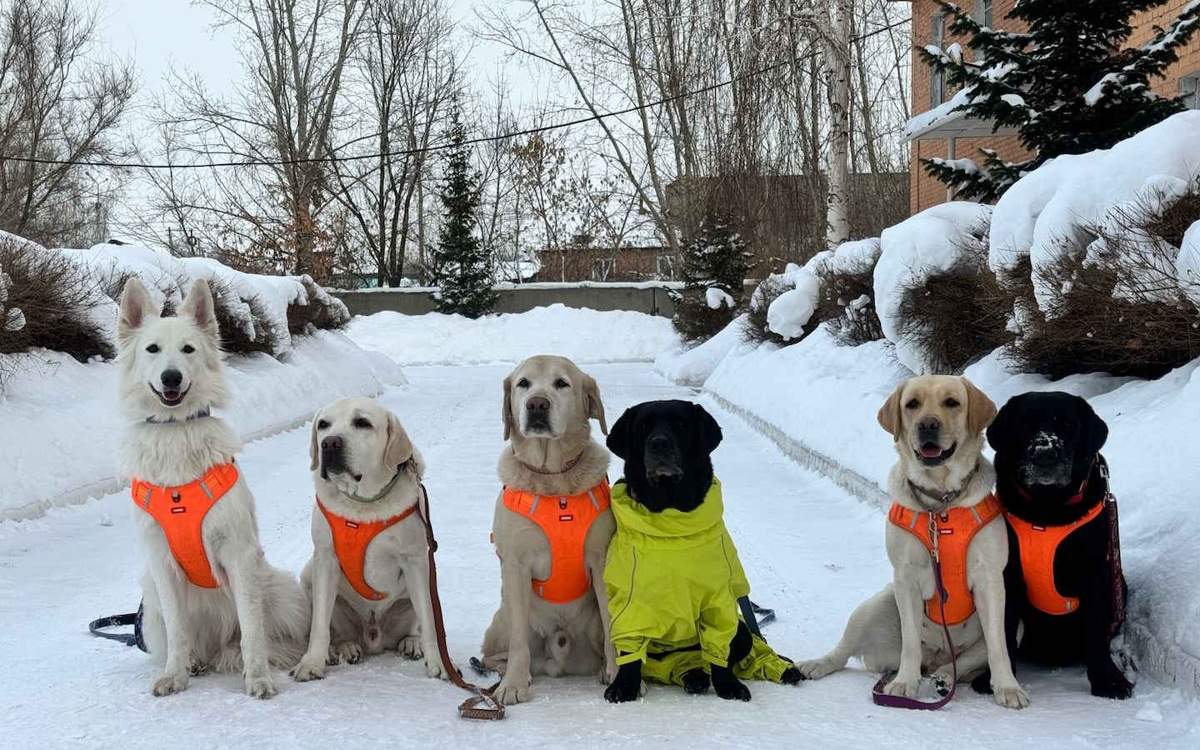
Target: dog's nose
{"points": [[331, 444], [929, 424], [537, 405], [172, 379], [658, 443]]}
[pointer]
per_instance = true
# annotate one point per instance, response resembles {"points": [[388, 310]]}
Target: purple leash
{"points": [[898, 701]]}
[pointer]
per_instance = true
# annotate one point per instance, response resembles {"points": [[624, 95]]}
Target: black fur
{"points": [[666, 447], [1039, 437]]}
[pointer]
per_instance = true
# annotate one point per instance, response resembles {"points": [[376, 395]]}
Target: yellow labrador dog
{"points": [[937, 422], [553, 616], [369, 575]]}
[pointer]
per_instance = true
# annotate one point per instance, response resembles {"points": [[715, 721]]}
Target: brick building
{"points": [[958, 136]]}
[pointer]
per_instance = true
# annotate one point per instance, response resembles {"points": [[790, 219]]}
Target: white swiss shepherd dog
{"points": [[171, 377]]}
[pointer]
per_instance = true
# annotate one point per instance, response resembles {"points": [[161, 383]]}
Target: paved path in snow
{"points": [[811, 552]]}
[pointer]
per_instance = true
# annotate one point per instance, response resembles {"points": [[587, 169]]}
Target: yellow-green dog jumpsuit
{"points": [[673, 581]]}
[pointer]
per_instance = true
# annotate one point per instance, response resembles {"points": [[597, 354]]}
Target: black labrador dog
{"points": [[1063, 580], [666, 446]]}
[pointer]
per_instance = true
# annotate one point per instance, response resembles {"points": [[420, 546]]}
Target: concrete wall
{"points": [[418, 301]]}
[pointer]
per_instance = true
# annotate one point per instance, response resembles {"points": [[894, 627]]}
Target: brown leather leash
{"points": [[482, 705]]}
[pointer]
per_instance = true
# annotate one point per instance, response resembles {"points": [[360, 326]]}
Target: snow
{"points": [[66, 415], [948, 110], [14, 319], [1187, 265], [584, 335], [932, 241], [694, 366], [1013, 100], [855, 256], [1045, 215], [791, 311], [716, 298]]}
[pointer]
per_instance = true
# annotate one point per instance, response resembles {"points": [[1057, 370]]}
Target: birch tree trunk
{"points": [[836, 45]]}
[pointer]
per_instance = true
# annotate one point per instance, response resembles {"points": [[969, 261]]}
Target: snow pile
{"points": [[693, 366], [791, 311], [1187, 267], [1047, 214], [854, 257], [241, 296], [66, 413], [716, 298], [930, 242], [11, 318], [581, 334]]}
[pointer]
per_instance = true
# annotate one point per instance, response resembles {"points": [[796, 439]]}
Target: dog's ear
{"points": [[198, 305], [595, 407], [618, 437], [398, 448], [416, 465], [999, 432], [889, 413], [1095, 429], [506, 415], [981, 410], [710, 431], [136, 308], [314, 453]]}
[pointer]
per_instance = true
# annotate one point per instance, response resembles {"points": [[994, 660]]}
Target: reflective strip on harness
{"points": [[565, 520], [180, 513], [955, 529], [1037, 546]]}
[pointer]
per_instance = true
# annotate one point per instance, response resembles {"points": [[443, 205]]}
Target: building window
{"points": [[983, 13], [1189, 91], [937, 79]]}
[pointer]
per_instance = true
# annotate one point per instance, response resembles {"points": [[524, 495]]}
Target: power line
{"points": [[440, 146]]}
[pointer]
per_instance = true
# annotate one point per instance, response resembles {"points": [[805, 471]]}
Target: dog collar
{"points": [[203, 413], [570, 465], [386, 488], [941, 498]]}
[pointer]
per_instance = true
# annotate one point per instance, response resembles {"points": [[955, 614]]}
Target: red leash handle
{"points": [[899, 701]]}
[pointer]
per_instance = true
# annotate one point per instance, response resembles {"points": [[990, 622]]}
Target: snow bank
{"points": [[693, 366], [855, 256], [1044, 215], [581, 334], [791, 311], [930, 242], [1187, 266], [66, 413]]}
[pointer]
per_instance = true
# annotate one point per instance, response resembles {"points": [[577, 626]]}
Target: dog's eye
{"points": [[912, 404], [560, 383], [523, 383], [361, 423], [322, 425], [188, 349], [950, 403], [153, 348]]}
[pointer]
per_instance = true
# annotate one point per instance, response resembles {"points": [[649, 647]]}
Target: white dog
{"points": [[211, 600], [369, 574], [937, 423]]}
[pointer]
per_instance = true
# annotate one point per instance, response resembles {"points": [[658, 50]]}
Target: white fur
{"points": [[257, 616], [344, 624]]}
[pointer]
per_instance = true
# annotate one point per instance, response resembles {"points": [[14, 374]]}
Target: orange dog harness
{"points": [[1038, 546], [350, 542], [180, 513], [565, 520], [947, 536]]}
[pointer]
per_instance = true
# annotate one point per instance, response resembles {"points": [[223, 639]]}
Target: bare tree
{"points": [[58, 102]]}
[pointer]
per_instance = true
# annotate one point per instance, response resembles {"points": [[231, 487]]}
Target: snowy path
{"points": [[811, 552]]}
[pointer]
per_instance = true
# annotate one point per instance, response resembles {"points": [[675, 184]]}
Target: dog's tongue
{"points": [[931, 450]]}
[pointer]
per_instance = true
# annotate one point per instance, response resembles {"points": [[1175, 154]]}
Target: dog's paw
{"points": [[197, 666], [410, 647], [169, 684], [1111, 684], [815, 669], [732, 690], [261, 686], [792, 676], [903, 688], [696, 682], [511, 692], [308, 669], [983, 683], [346, 652], [1010, 696], [434, 667], [622, 691]]}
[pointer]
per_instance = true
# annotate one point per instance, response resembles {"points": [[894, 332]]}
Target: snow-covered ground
{"points": [[811, 552]]}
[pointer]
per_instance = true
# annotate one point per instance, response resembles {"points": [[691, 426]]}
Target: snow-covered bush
{"points": [[787, 321], [847, 292], [714, 271], [46, 302], [754, 326], [941, 241]]}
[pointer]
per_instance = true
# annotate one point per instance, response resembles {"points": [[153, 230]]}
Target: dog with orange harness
{"points": [[943, 613], [551, 529], [369, 575]]}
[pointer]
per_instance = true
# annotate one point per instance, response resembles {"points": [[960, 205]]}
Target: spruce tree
{"points": [[715, 263], [461, 265], [1067, 85]]}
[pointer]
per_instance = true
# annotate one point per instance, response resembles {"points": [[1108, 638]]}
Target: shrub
{"points": [[848, 304], [320, 310], [755, 329], [46, 303], [715, 263], [957, 315]]}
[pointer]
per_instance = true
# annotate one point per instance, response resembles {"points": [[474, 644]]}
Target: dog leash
{"points": [[98, 627], [482, 705], [900, 701]]}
